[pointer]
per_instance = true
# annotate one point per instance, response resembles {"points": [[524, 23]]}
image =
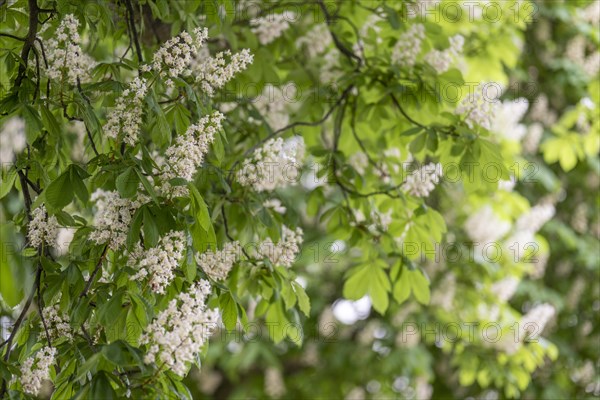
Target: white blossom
{"points": [[316, 41], [112, 217], [477, 108], [126, 117], [533, 323], [283, 253], [274, 102], [214, 72], [58, 324], [330, 70], [541, 112], [533, 220], [484, 226], [158, 263], [64, 239], [271, 27], [64, 56], [276, 164], [186, 155], [275, 205], [504, 289], [422, 181], [274, 384], [12, 139], [218, 264], [506, 118], [443, 294], [42, 229], [36, 369], [177, 334], [408, 46], [533, 137], [174, 58]]}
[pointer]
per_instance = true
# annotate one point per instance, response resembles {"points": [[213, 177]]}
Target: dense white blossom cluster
{"points": [[276, 164], [532, 139], [217, 264], [173, 59], [316, 41], [274, 383], [64, 55], [214, 72], [442, 60], [477, 108], [58, 324], [506, 118], [112, 217], [422, 181], [271, 27], [536, 319], [533, 220], [42, 229], [158, 263], [12, 139], [178, 333], [408, 46], [283, 253], [330, 70], [126, 117], [188, 152], [36, 369]]}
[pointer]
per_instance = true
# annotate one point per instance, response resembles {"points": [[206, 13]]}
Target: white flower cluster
{"points": [[505, 288], [536, 319], [505, 120], [218, 264], [533, 220], [532, 139], [273, 104], [274, 165], [441, 60], [477, 108], [126, 117], [421, 182], [177, 334], [58, 325], [214, 72], [112, 217], [542, 112], [316, 41], [36, 369], [283, 253], [187, 153], [274, 383], [408, 46], [12, 139], [484, 226], [159, 262], [330, 70], [64, 55], [271, 27], [42, 229], [173, 59]]}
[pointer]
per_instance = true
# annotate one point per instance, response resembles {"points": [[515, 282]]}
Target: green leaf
{"points": [[228, 308], [8, 180], [127, 183], [303, 299], [420, 286]]}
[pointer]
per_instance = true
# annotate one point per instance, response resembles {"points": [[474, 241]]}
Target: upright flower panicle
{"points": [[125, 118], [173, 59], [188, 152], [217, 264], [42, 229], [506, 118], [158, 263], [178, 333], [442, 60], [274, 102], [58, 324], [214, 72], [408, 46], [113, 217], [276, 164], [316, 41], [283, 253], [12, 139], [64, 55], [533, 323], [36, 369], [422, 181]]}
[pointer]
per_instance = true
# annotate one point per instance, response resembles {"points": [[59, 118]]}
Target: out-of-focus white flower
{"points": [[532, 139], [533, 323], [275, 205], [506, 118], [505, 289], [442, 60], [274, 384], [316, 41], [271, 27], [408, 46], [12, 139], [477, 108], [423, 180], [36, 369]]}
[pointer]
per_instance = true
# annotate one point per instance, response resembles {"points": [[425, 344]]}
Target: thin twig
{"points": [[94, 273]]}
